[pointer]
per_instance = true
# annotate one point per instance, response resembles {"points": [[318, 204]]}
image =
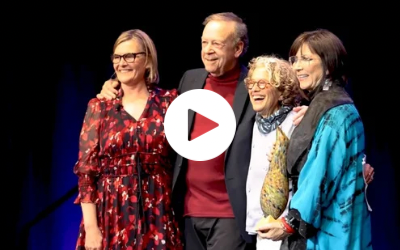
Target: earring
{"points": [[327, 84]]}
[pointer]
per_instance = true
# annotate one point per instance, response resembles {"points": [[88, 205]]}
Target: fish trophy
{"points": [[275, 189]]}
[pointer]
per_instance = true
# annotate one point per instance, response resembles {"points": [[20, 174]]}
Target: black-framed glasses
{"points": [[262, 84], [303, 60], [128, 57]]}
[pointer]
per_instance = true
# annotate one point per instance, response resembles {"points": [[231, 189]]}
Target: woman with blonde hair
{"points": [[124, 170]]}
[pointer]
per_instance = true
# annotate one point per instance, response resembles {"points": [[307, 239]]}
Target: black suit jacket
{"points": [[237, 157]]}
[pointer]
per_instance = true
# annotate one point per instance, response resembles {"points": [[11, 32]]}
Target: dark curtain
{"points": [[56, 60]]}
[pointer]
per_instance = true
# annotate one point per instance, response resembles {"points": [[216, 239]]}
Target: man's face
{"points": [[219, 50]]}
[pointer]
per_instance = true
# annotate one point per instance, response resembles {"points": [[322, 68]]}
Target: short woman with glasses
{"points": [[124, 167], [274, 92], [328, 209]]}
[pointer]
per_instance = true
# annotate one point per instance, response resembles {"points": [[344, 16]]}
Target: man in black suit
{"points": [[211, 195]]}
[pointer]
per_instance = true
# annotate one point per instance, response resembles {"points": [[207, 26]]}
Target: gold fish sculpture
{"points": [[275, 189]]}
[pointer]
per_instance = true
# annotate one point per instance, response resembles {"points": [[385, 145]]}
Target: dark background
{"points": [[57, 57]]}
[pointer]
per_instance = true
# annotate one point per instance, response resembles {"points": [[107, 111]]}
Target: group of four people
{"points": [[136, 193]]}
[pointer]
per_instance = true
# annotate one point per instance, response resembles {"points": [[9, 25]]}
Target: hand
{"points": [[300, 111], [109, 90], [272, 230], [94, 239], [368, 173]]}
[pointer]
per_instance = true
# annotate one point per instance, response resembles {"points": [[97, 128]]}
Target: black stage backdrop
{"points": [[57, 58]]}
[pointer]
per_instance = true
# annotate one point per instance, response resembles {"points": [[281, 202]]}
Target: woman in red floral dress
{"points": [[124, 168]]}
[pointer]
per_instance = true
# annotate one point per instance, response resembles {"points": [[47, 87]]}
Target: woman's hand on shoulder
{"points": [[300, 111]]}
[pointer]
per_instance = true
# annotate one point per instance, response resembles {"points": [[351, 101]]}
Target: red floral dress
{"points": [[124, 168]]}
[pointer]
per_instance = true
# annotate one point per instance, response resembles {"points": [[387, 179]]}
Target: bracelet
{"points": [[286, 227], [292, 222]]}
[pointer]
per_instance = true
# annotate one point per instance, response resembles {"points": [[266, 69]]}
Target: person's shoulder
{"points": [[343, 112], [290, 115], [94, 102], [288, 125], [97, 104], [195, 72], [342, 117], [161, 92], [94, 105]]}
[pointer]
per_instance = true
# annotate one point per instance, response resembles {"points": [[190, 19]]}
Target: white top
{"points": [[259, 165]]}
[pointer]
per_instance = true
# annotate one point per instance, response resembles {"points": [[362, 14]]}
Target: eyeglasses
{"points": [[303, 60], [128, 57], [250, 84]]}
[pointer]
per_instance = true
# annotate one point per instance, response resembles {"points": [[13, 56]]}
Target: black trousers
{"points": [[214, 234]]}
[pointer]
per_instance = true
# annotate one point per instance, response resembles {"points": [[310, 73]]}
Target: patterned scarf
{"points": [[270, 123]]}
